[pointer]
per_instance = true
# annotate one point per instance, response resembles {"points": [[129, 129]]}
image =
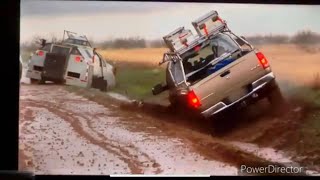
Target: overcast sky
{"points": [[101, 20]]}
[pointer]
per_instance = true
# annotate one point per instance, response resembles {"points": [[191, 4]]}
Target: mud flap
{"points": [[278, 103], [90, 77], [99, 83]]}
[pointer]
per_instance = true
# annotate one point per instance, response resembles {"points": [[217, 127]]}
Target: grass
{"points": [[25, 55], [147, 56], [305, 140], [137, 82]]}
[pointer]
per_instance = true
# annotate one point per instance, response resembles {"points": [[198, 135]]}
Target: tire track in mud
{"points": [[91, 116], [152, 161], [123, 154]]}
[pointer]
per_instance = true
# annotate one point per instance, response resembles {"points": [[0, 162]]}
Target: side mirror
{"points": [[159, 88]]}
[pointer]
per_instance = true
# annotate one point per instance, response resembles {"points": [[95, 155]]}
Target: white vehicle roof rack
{"points": [[73, 35]]}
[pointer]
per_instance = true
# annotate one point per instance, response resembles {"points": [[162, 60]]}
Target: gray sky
{"points": [[101, 20]]}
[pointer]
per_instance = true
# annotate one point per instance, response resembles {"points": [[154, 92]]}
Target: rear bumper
{"points": [[260, 88], [76, 82], [33, 74]]}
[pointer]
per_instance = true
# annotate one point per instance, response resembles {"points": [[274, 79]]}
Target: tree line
{"points": [[300, 38]]}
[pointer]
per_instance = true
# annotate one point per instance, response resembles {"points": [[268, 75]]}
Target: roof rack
{"points": [[181, 40], [209, 24], [178, 39], [73, 35]]}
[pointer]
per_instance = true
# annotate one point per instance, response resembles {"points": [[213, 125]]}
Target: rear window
{"points": [[60, 50], [75, 51]]}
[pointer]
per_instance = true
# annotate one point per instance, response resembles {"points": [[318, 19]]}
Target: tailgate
{"points": [[230, 82]]}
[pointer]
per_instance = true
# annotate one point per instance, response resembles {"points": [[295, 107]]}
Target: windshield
{"points": [[60, 50], [202, 54]]}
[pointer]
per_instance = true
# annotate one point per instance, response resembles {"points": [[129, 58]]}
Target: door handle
{"points": [[225, 73]]}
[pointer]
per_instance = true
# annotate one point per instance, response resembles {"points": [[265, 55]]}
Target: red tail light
{"points": [[193, 100], [40, 53], [78, 59], [263, 60]]}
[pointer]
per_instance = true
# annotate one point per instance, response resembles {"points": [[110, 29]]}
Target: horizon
{"points": [[101, 21]]}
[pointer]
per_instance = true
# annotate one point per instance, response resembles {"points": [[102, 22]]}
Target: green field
{"points": [[137, 82]]}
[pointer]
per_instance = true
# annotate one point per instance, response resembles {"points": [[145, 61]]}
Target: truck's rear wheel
{"points": [[59, 81], [34, 81], [103, 85], [218, 124], [42, 81], [277, 101]]}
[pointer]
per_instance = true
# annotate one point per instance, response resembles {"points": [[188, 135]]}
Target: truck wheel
{"points": [[214, 127], [103, 86], [41, 81], [34, 81], [217, 124], [278, 103], [59, 81]]}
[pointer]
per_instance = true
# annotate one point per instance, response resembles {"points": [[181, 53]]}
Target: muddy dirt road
{"points": [[62, 133]]}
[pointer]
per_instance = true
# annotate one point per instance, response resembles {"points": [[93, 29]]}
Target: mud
{"points": [[64, 133], [68, 134]]}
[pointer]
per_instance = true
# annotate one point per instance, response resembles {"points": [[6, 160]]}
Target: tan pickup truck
{"points": [[216, 70]]}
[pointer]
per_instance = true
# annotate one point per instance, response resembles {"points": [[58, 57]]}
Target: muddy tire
{"points": [[42, 81], [218, 124], [34, 81], [99, 83], [59, 82], [278, 104], [103, 86]]}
